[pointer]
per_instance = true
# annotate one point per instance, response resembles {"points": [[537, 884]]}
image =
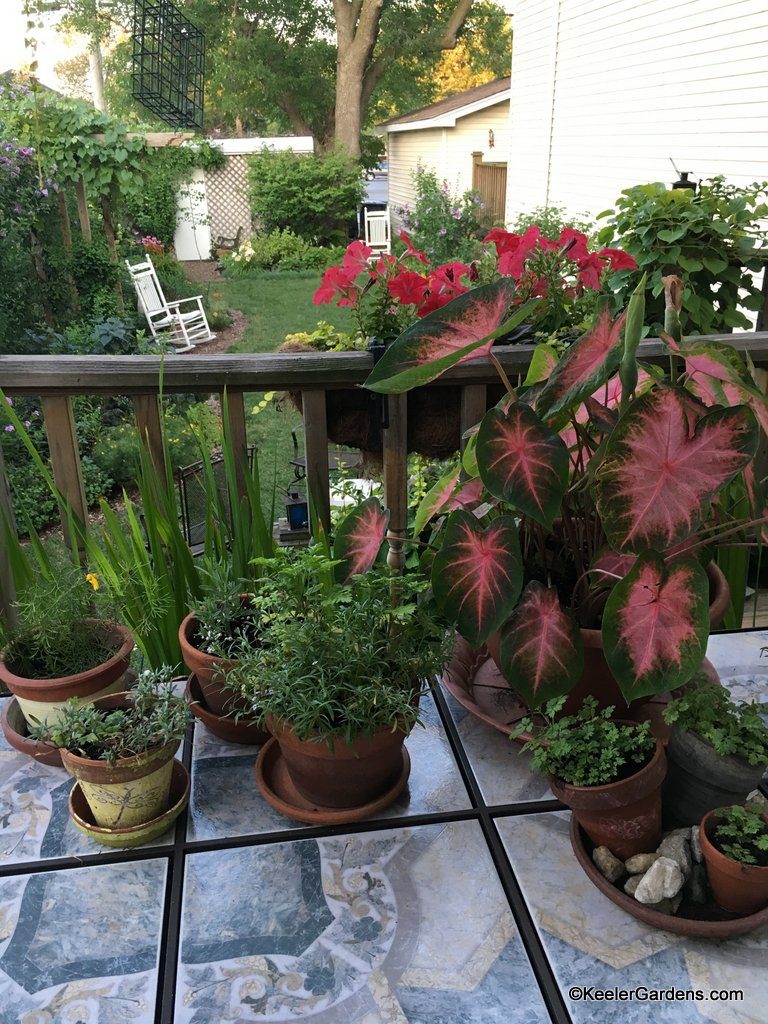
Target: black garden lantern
{"points": [[168, 63], [297, 510]]}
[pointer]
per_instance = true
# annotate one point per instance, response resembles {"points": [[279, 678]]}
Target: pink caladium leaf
{"points": [[664, 464], [358, 539], [523, 462], [464, 329], [467, 496], [656, 625], [477, 574], [541, 650], [587, 364], [436, 498]]}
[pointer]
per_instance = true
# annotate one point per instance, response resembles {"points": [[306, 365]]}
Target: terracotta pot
{"points": [[738, 888], [597, 679], [700, 780], [211, 672], [41, 700], [226, 727], [625, 816], [130, 792], [341, 775]]}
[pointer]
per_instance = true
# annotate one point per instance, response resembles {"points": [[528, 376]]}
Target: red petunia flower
{"points": [[444, 285], [337, 281], [618, 259], [411, 251], [409, 288], [356, 257], [579, 249], [590, 270]]}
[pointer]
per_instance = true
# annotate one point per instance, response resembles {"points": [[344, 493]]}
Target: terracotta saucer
{"points": [[138, 834], [473, 679], [15, 730], [223, 726], [278, 790], [706, 921]]}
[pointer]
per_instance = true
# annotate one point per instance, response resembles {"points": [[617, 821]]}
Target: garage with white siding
{"points": [[606, 94], [463, 138]]}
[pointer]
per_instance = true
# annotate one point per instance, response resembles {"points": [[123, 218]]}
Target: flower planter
{"points": [[625, 816], [130, 792], [738, 888], [700, 780], [41, 700], [226, 727], [341, 776], [597, 679], [211, 672]]}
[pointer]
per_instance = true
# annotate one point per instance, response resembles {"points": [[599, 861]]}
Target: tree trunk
{"points": [[96, 65], [349, 106]]}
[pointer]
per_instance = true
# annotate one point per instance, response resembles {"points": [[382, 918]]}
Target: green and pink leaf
{"points": [[358, 539], [541, 650], [477, 575], [436, 498], [656, 625]]}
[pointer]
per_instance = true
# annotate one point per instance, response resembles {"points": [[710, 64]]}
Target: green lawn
{"points": [[276, 304]]}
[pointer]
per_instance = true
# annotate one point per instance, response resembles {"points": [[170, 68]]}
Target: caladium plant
{"points": [[602, 486]]}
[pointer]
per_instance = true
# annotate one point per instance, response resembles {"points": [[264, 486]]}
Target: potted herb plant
{"points": [[121, 749], [608, 772], [734, 843], [717, 751], [61, 650], [585, 572]]}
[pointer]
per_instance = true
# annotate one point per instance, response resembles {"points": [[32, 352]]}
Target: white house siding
{"points": [[603, 94], [447, 150]]}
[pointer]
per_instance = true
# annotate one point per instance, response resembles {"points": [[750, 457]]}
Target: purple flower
{"points": [[443, 231], [9, 429], [9, 400], [27, 423]]}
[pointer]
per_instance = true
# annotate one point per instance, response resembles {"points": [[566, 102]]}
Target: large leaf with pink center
{"points": [[587, 364], [477, 574], [436, 498], [523, 462], [358, 539], [541, 651], [656, 625], [664, 464], [465, 328]]}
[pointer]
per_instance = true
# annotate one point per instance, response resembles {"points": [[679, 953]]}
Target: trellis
{"points": [[168, 63]]}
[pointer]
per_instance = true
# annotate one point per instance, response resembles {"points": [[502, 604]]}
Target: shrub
{"points": [[551, 220], [314, 196], [445, 226], [278, 250], [708, 238]]}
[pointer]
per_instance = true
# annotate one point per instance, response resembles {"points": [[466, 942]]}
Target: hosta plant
{"points": [[602, 482]]}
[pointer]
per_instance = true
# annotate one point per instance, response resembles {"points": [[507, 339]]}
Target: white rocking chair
{"points": [[377, 231], [183, 330]]}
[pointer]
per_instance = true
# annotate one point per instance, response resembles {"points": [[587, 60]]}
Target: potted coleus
{"points": [[61, 649], [734, 844], [121, 749], [584, 568], [608, 772], [717, 751]]}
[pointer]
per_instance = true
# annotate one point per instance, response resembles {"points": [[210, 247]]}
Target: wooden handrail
{"points": [[257, 371]]}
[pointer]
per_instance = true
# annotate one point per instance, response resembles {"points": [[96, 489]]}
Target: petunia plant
{"points": [[599, 488]]}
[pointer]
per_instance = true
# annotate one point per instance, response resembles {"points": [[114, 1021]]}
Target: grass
{"points": [[276, 304]]}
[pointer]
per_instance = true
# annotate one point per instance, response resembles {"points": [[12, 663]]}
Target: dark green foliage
{"points": [[742, 835], [588, 748], [709, 239], [443, 225], [314, 196], [279, 250], [734, 729]]}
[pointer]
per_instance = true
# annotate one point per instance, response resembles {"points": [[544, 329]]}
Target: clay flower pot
{"points": [[130, 792], [341, 775], [738, 888], [211, 672], [597, 680], [41, 700], [700, 780], [625, 816]]}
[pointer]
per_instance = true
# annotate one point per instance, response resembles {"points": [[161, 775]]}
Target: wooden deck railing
{"points": [[55, 380]]}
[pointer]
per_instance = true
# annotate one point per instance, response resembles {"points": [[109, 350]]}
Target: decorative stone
{"points": [[758, 801], [667, 906], [640, 863], [678, 832], [696, 889], [607, 864], [631, 884], [696, 844], [676, 848], [662, 880]]}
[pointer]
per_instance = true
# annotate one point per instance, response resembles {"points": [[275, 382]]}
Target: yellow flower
{"points": [[93, 579]]}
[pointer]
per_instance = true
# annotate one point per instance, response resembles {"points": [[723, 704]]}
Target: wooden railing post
{"points": [[235, 407], [146, 409], [396, 478], [7, 587], [65, 459], [473, 402], [316, 452]]}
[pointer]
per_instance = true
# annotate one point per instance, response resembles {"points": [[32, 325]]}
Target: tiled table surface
{"points": [[461, 905]]}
